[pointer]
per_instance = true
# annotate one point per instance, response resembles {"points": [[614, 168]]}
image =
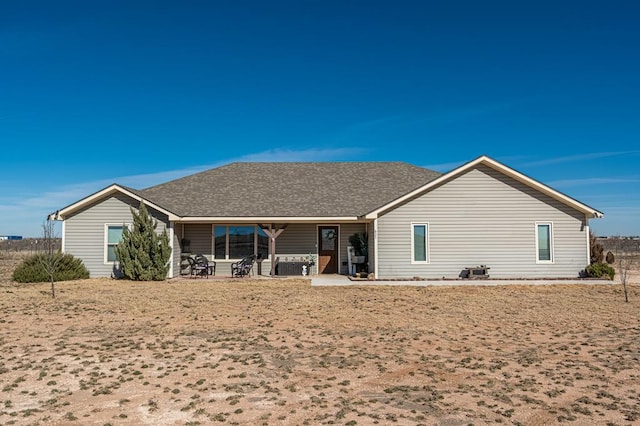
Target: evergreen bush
{"points": [[143, 255], [597, 250], [600, 270], [610, 258], [32, 269]]}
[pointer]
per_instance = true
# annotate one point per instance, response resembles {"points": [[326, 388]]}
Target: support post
{"points": [[273, 233]]}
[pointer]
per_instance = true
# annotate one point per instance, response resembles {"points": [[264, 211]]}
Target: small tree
{"points": [[143, 254], [610, 258], [626, 255], [50, 258], [597, 268], [597, 250]]}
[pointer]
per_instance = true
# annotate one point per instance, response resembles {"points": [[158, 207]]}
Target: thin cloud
{"points": [[447, 167], [444, 167], [579, 157], [618, 220], [313, 154], [591, 181], [466, 113], [390, 125], [26, 214]]}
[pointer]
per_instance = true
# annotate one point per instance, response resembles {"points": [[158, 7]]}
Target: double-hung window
{"points": [[113, 235], [419, 243], [544, 242]]}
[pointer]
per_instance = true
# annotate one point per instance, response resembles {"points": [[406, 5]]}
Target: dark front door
{"points": [[328, 250]]}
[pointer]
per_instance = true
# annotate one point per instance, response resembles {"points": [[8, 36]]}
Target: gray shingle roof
{"points": [[289, 189]]}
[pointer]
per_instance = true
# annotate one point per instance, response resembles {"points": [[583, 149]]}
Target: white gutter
{"points": [[375, 249], [588, 232], [267, 219], [63, 237], [171, 234]]}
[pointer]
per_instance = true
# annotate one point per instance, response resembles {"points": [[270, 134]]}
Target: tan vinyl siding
{"points": [[85, 230], [302, 239], [372, 251], [200, 236], [297, 240], [482, 217], [177, 251]]}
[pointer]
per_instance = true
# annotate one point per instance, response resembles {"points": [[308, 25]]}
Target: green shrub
{"points": [[600, 270], [143, 254], [32, 269]]}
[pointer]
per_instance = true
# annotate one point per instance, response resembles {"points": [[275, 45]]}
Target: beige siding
{"points": [[200, 236], [297, 240], [482, 217], [302, 240], [372, 251], [85, 230], [177, 249]]}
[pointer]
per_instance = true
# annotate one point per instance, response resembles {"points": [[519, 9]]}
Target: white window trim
{"points": [[551, 238], [427, 250], [106, 240]]}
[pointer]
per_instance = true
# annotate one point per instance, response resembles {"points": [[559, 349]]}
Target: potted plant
{"points": [[360, 243]]}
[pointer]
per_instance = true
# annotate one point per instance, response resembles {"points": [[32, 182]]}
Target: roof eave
{"points": [[269, 219], [111, 189]]}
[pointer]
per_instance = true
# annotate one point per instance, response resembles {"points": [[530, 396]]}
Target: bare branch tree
{"points": [[50, 257], [626, 255]]}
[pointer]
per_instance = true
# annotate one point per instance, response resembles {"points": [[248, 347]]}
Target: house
{"points": [[420, 223]]}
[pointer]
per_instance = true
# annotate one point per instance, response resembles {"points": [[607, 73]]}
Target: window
{"points": [[236, 242], [263, 244], [328, 239], [241, 241], [419, 242], [113, 237], [544, 243], [220, 242]]}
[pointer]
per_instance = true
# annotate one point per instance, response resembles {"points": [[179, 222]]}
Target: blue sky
{"points": [[140, 92]]}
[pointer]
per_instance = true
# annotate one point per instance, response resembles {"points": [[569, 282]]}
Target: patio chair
{"points": [[186, 265], [242, 268], [201, 267], [203, 261]]}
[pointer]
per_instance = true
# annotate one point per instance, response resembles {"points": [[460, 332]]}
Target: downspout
{"points": [[62, 244], [171, 235], [588, 232], [375, 249]]}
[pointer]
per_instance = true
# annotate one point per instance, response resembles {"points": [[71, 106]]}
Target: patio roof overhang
{"points": [[271, 219]]}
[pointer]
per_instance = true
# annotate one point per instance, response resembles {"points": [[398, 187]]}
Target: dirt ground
{"points": [[247, 352]]}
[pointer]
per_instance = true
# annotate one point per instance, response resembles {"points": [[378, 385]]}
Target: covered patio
{"points": [[280, 248]]}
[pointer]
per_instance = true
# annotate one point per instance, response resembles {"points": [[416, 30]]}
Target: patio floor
{"points": [[329, 280], [343, 280]]}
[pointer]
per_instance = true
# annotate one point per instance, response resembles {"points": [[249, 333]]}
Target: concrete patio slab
{"points": [[343, 280]]}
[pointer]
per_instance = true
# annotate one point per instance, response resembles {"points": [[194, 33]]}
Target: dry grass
{"points": [[282, 352]]}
